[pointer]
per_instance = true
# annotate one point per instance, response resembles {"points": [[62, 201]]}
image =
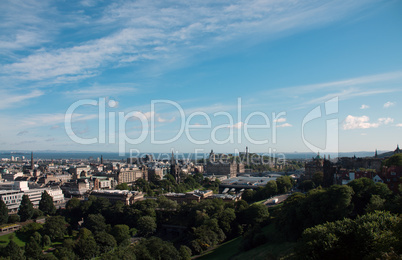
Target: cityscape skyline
{"points": [[206, 64]]}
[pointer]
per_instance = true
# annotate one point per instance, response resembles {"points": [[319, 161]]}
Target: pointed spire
{"points": [[172, 161], [376, 154], [32, 161]]}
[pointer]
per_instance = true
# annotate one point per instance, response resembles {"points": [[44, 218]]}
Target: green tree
{"points": [[394, 160], [3, 212], [184, 252], [46, 204], [105, 241], [13, 218], [375, 203], [156, 248], [26, 208], [86, 248], [363, 189], [366, 237], [96, 223], [307, 185], [318, 178], [284, 184], [63, 253], [122, 186], [37, 213], [256, 213], [146, 226], [13, 251], [55, 227], [30, 229], [32, 249], [46, 241], [38, 237], [249, 195], [121, 233], [272, 188], [73, 212]]}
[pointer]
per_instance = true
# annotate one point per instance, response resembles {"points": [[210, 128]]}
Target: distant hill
{"points": [[387, 154]]}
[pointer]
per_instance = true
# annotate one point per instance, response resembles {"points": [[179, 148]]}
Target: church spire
{"points": [[172, 160], [32, 161]]}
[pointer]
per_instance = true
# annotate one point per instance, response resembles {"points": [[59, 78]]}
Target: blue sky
{"points": [[199, 63]]}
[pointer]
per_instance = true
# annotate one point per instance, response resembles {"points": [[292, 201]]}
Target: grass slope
{"points": [[276, 248], [6, 238], [268, 251], [224, 251]]}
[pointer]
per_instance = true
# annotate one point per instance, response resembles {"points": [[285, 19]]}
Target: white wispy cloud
{"points": [[238, 125], [347, 83], [165, 120], [280, 120], [15, 100], [399, 125], [144, 30], [363, 122], [348, 94], [285, 125], [354, 122], [364, 106], [389, 104], [385, 120], [52, 119], [97, 91]]}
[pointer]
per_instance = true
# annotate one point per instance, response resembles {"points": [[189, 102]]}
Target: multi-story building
{"points": [[314, 166], [12, 198], [127, 197], [76, 188], [130, 174], [223, 167]]}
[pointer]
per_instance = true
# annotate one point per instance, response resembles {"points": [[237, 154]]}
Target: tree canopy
{"points": [[3, 212], [46, 204], [26, 209]]}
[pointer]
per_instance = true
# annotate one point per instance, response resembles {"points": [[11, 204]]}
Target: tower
{"points": [[247, 157], [174, 169], [212, 156], [32, 161], [397, 150], [101, 159], [376, 154]]}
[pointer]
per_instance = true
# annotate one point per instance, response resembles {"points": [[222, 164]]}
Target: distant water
{"points": [[161, 156]]}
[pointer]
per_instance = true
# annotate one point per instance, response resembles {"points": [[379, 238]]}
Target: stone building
{"points": [[313, 166], [174, 169], [125, 196], [130, 174], [223, 167]]}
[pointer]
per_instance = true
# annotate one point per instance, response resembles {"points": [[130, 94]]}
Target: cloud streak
{"points": [[144, 30], [16, 100]]}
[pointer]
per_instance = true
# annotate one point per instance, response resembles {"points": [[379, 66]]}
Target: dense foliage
{"points": [[46, 204], [3, 212], [26, 209], [369, 236]]}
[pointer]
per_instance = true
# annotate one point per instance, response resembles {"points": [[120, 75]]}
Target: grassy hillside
{"points": [[275, 248]]}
